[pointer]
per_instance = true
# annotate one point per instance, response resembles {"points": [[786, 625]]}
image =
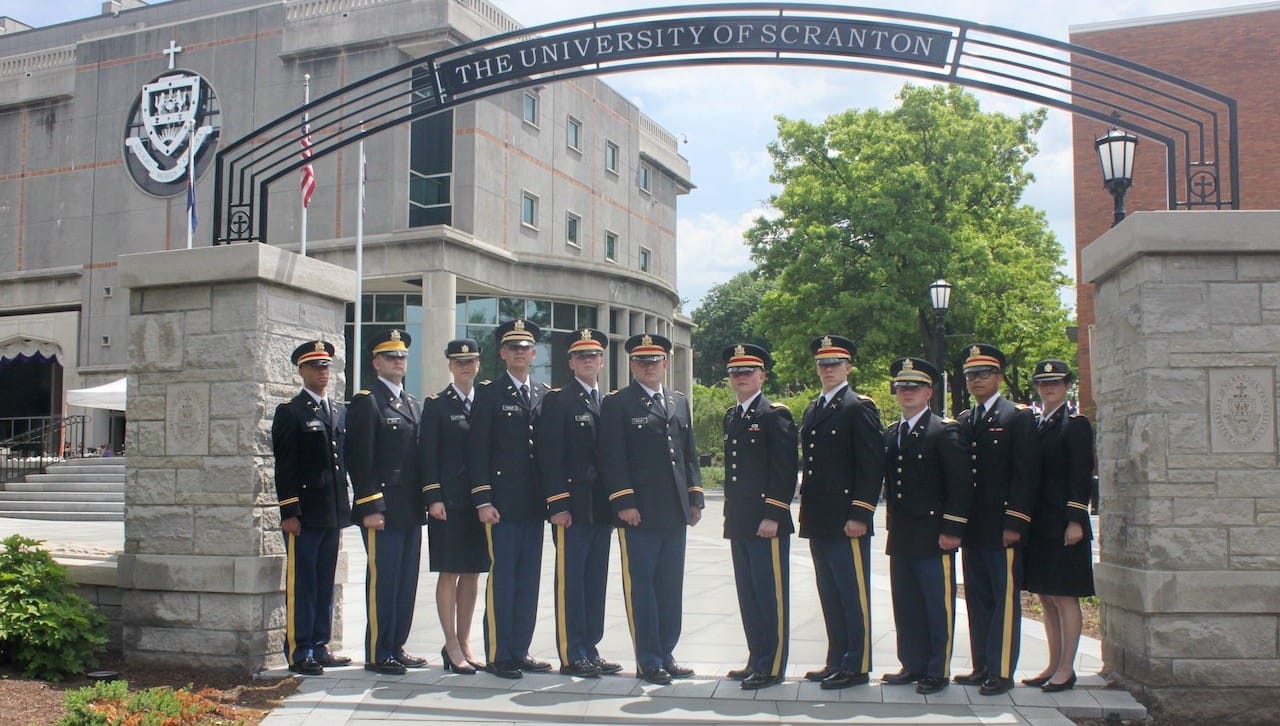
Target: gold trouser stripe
{"points": [[949, 601], [371, 595], [780, 606], [864, 601], [562, 600], [291, 597], [1006, 632], [626, 591], [490, 617]]}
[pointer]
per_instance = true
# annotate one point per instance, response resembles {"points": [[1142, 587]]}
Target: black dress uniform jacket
{"points": [[760, 456], [310, 469], [927, 486], [445, 442], [650, 461], [501, 461], [1067, 475], [842, 464], [381, 457], [1004, 464], [566, 444]]}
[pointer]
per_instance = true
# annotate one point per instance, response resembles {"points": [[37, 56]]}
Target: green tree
{"points": [[723, 319], [876, 204]]}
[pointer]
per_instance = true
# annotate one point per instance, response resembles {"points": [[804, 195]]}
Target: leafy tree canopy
{"points": [[875, 205], [724, 319]]}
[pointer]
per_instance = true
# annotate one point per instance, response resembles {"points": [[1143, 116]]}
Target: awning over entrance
{"points": [[109, 395], [19, 347]]}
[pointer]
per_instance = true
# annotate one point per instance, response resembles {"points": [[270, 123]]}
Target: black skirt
{"points": [[1053, 568], [457, 544]]}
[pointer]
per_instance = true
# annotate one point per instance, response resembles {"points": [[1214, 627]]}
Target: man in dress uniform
{"points": [[382, 441], [578, 507], [842, 473], [760, 449], [311, 484], [1005, 471], [505, 493], [927, 492], [650, 466]]}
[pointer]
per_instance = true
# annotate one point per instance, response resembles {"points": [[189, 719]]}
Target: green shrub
{"points": [[111, 703], [46, 630], [712, 477]]}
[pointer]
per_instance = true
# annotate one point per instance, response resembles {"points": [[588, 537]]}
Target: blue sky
{"points": [[727, 113]]}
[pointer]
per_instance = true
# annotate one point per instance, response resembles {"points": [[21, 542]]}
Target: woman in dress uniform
{"points": [[455, 537], [1059, 552]]}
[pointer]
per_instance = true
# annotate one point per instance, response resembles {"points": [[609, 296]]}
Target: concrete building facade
{"points": [[555, 203]]}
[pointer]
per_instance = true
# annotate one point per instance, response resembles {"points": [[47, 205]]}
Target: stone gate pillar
{"points": [[1185, 354], [210, 333]]}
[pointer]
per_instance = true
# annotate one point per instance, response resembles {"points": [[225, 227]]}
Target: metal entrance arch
{"points": [[1196, 126]]}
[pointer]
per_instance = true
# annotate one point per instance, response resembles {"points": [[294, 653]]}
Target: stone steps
{"points": [[77, 490]]}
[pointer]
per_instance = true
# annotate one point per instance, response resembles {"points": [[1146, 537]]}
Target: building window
{"points": [[380, 312], [430, 161], [646, 259], [611, 246], [573, 134], [645, 179], [571, 224], [530, 110], [611, 157], [529, 209], [476, 316]]}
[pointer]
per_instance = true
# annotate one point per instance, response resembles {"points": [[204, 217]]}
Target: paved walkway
{"points": [[712, 643]]}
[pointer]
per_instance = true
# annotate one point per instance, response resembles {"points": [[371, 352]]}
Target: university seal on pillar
{"points": [[175, 115]]}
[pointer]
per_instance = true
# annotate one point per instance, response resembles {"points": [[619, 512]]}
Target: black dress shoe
{"points": [[388, 667], [505, 669], [658, 675], [758, 680], [529, 665], [329, 660], [410, 661], [740, 674], [819, 675], [605, 667], [843, 679], [994, 686], [677, 671], [931, 684], [449, 665], [1037, 681], [308, 667], [580, 668], [976, 678], [901, 678], [1067, 685]]}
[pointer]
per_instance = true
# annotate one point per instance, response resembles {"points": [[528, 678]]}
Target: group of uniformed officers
{"points": [[485, 466]]}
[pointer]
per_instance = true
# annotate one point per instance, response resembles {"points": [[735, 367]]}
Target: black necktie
{"points": [[902, 432], [466, 406], [980, 414], [524, 395], [822, 401], [595, 397], [657, 405], [737, 413]]}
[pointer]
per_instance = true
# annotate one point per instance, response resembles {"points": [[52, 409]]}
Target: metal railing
{"points": [[30, 443]]}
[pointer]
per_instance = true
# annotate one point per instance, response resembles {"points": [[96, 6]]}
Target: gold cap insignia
{"points": [[519, 325], [586, 334], [395, 335], [320, 347], [466, 348], [740, 350], [908, 365], [826, 341], [1048, 368], [975, 351], [646, 340]]}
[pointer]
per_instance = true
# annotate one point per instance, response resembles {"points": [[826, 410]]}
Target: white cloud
{"points": [[712, 250]]}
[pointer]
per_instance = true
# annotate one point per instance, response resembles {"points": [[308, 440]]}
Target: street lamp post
{"points": [[1115, 152], [940, 296]]}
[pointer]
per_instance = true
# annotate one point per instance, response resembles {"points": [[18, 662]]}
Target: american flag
{"points": [[308, 173]]}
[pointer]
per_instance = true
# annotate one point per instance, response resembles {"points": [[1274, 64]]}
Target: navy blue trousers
{"points": [[311, 558], [390, 589], [843, 570], [653, 588], [763, 577], [511, 593], [582, 577], [924, 612], [993, 596]]}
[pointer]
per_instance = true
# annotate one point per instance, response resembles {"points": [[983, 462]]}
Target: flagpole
{"points": [[306, 129], [191, 182], [359, 347]]}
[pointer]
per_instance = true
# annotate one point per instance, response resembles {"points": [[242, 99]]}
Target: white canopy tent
{"points": [[109, 395]]}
